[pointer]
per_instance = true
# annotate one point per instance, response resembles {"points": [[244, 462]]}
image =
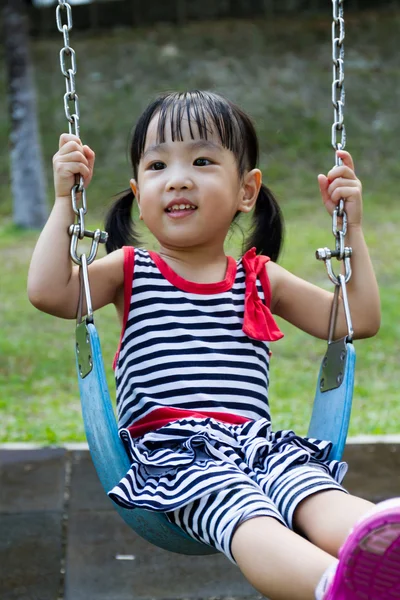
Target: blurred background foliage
{"points": [[278, 68]]}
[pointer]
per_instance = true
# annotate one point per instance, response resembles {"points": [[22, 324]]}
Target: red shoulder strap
{"points": [[258, 322], [129, 263]]}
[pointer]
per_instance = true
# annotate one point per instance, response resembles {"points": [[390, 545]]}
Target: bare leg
{"points": [[278, 562], [327, 517]]}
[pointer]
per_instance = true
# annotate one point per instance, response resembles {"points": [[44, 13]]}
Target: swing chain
{"points": [[338, 91], [338, 127], [341, 252], [77, 230]]}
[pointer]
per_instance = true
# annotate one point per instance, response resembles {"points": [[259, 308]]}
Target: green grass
{"points": [[280, 73]]}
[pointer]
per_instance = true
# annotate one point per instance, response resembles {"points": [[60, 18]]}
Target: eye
{"points": [[156, 166], [203, 161]]}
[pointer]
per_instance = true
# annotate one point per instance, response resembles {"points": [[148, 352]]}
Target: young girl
{"points": [[192, 367]]}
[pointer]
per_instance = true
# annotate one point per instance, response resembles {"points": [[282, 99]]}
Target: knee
{"points": [[327, 517]]}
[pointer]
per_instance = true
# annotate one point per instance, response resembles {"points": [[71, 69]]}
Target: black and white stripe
{"points": [[213, 518], [188, 350], [196, 457]]}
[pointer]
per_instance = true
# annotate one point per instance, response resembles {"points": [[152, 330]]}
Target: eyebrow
{"points": [[195, 145]]}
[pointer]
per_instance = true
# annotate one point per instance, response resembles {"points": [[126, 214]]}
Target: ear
{"points": [[135, 189], [250, 189]]}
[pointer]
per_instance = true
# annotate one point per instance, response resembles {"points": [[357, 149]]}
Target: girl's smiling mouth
{"points": [[181, 207]]}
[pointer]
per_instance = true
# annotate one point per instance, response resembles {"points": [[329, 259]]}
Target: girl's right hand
{"points": [[72, 159]]}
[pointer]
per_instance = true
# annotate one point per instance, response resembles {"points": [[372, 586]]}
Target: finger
{"points": [[323, 182], [323, 186], [346, 158], [74, 157], [69, 147], [342, 192], [68, 137], [342, 182], [344, 171], [90, 155], [79, 168]]}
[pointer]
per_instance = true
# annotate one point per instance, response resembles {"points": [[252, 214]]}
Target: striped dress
{"points": [[192, 374]]}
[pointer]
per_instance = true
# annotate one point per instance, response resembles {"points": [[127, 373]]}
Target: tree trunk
{"points": [[27, 175]]}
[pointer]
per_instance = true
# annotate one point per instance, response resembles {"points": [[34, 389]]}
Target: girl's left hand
{"points": [[341, 182]]}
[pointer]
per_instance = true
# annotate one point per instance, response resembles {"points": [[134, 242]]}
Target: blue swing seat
{"points": [[330, 417], [330, 420]]}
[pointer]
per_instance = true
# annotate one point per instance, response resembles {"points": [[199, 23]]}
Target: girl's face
{"points": [[189, 191]]}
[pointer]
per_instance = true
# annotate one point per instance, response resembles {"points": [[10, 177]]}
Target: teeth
{"points": [[181, 207]]}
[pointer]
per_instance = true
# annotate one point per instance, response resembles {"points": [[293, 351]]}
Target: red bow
{"points": [[258, 322]]}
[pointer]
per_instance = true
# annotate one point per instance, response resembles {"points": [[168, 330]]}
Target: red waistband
{"points": [[164, 415]]}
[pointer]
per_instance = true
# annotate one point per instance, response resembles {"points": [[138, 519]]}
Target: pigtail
{"points": [[267, 230], [119, 224]]}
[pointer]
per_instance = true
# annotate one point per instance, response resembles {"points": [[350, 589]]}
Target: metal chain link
{"points": [[341, 252], [77, 230]]}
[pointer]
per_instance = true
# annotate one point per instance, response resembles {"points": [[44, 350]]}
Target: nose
{"points": [[178, 180]]}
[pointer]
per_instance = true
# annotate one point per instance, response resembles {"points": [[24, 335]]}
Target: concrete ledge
{"points": [[52, 505], [358, 439], [374, 463]]}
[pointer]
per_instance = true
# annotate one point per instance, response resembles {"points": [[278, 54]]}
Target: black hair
{"points": [[209, 112]]}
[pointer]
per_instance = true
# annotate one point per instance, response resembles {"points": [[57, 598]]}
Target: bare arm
{"points": [[308, 306], [53, 281]]}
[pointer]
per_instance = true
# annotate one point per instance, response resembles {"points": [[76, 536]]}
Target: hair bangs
{"points": [[206, 114]]}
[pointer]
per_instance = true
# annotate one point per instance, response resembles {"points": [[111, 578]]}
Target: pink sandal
{"points": [[369, 560]]}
